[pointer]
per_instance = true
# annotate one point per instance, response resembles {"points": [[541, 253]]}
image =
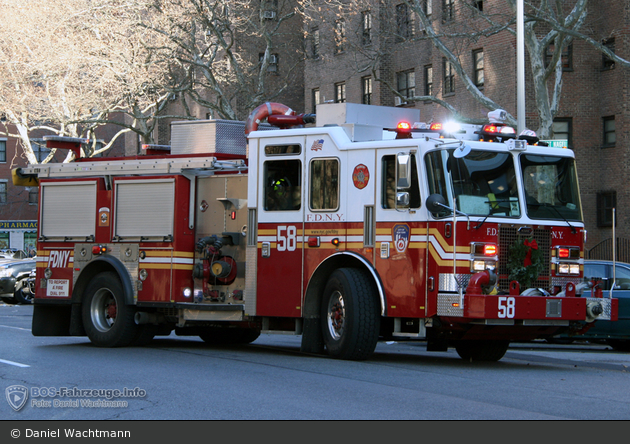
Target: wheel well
{"points": [[98, 266], [315, 288]]}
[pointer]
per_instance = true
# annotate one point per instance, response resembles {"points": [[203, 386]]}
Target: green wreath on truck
{"points": [[525, 262]]}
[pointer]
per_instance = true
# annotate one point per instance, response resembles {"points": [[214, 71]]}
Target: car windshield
{"points": [[482, 183], [551, 187]]}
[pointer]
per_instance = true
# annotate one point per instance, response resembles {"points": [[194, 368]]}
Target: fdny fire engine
{"points": [[346, 227]]}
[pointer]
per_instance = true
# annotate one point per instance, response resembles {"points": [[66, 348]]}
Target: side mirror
{"points": [[403, 170], [402, 199], [436, 203]]}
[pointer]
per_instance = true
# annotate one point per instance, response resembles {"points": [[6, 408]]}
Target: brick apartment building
{"points": [[594, 115]]}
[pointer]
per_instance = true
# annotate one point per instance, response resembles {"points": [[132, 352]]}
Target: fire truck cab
{"points": [[350, 231]]}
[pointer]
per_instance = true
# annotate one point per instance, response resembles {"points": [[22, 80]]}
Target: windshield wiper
{"points": [[553, 207]]}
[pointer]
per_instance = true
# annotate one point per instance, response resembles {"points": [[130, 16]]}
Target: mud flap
{"points": [[51, 320]]}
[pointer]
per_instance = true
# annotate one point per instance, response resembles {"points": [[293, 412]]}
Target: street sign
{"points": [[557, 143]]}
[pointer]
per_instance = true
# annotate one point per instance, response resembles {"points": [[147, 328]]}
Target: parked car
{"points": [[15, 287], [614, 333]]}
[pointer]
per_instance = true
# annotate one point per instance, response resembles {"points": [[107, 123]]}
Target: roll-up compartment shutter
{"points": [[144, 209], [68, 209]]}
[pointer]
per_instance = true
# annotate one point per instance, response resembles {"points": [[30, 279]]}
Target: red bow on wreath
{"points": [[533, 245]]}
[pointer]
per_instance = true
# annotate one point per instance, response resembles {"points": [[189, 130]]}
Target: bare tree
{"points": [[213, 44], [454, 27], [70, 66]]}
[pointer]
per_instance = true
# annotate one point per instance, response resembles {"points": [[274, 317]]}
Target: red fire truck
{"points": [[365, 226]]}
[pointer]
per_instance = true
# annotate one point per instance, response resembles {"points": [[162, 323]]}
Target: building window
{"points": [[607, 62], [478, 5], [269, 9], [366, 27], [366, 90], [563, 130], [428, 80], [567, 56], [273, 62], [606, 201], [406, 83], [39, 149], [404, 24], [449, 76], [340, 92], [32, 195], [610, 137], [340, 35], [448, 10], [478, 68], [3, 192], [427, 6], [315, 98], [315, 43], [3, 150]]}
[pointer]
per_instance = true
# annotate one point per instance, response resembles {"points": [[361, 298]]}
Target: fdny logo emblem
{"points": [[360, 176], [401, 237], [317, 145]]}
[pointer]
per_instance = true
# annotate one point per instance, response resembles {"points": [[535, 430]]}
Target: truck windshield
{"points": [[551, 187], [482, 183]]}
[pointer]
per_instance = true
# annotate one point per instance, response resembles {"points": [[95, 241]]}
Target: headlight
{"points": [[568, 268], [5, 272]]}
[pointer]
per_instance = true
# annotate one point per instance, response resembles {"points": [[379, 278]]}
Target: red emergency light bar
{"points": [[494, 131]]}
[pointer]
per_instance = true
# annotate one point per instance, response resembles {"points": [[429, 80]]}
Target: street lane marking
{"points": [[16, 328], [17, 364]]}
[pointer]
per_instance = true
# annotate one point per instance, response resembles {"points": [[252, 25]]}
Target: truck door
{"points": [[280, 226], [401, 237]]}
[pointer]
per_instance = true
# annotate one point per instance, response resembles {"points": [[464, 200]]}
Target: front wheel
{"points": [[107, 320], [350, 314], [485, 351]]}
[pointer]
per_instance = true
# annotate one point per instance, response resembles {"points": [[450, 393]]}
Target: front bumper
{"points": [[525, 310]]}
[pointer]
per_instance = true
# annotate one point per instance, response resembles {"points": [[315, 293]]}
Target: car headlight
{"points": [[5, 272]]}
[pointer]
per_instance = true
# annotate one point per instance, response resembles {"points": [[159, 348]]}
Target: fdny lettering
{"points": [[58, 259], [557, 234], [335, 217], [491, 231]]}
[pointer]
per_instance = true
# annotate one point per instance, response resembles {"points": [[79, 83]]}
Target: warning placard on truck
{"points": [[57, 287]]}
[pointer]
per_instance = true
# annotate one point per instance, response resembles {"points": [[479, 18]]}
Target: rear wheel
{"points": [[485, 351], [350, 314], [108, 321]]}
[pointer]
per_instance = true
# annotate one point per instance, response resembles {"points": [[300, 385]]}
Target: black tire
{"points": [[9, 300], [229, 336], [484, 351], [350, 315], [621, 345], [107, 320], [23, 296]]}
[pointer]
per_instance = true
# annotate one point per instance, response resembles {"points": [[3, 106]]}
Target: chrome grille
{"points": [[508, 235]]}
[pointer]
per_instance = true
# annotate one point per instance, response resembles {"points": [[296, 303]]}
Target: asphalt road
{"points": [[182, 378]]}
